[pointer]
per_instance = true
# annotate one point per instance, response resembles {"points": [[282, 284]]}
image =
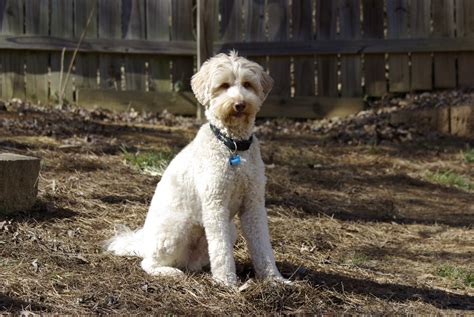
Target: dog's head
{"points": [[232, 88]]}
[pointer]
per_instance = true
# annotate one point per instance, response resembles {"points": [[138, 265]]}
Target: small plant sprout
{"points": [[150, 162], [450, 178], [457, 275], [468, 155]]}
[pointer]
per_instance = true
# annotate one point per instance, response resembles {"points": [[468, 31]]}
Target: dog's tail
{"points": [[125, 242]]}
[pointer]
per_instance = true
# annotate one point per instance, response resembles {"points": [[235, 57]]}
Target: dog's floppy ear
{"points": [[266, 82], [200, 84]]}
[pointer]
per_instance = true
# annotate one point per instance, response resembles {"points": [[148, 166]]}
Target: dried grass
{"points": [[357, 229]]}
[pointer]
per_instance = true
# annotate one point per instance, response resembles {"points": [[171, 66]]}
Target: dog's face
{"points": [[232, 87]]}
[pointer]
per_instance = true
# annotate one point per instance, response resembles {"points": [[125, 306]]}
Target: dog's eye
{"points": [[224, 86], [247, 85]]}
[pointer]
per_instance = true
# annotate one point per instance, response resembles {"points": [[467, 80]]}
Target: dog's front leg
{"points": [[255, 230], [219, 239]]}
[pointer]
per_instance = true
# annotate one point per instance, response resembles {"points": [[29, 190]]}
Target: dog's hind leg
{"points": [[166, 252]]}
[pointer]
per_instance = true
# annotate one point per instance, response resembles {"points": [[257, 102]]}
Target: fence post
{"points": [[206, 22]]}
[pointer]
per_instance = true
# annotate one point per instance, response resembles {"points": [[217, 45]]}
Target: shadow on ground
{"points": [[345, 194], [385, 291], [16, 306], [42, 212]]}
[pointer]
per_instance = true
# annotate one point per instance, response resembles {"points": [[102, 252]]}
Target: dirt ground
{"points": [[359, 227]]}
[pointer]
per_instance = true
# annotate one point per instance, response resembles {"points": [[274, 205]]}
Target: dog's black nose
{"points": [[239, 107]]}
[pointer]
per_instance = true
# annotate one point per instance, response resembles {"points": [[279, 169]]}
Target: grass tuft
{"points": [[151, 162], [469, 156], [456, 275], [357, 259], [449, 178]]}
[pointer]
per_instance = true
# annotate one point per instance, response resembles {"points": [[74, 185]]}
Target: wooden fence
{"points": [[324, 55]]}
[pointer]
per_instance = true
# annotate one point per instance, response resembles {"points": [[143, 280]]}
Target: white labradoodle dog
{"points": [[218, 175]]}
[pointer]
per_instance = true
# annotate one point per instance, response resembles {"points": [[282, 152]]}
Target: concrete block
{"points": [[462, 121], [18, 182], [433, 119]]}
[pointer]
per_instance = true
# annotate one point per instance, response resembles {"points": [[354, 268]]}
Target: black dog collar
{"points": [[233, 145]]}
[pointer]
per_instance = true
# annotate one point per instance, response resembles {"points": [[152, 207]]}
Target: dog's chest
{"points": [[240, 178]]}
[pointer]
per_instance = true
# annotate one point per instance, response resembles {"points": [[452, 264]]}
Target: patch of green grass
{"points": [[457, 275], [356, 259], [449, 178], [469, 156], [151, 162]]}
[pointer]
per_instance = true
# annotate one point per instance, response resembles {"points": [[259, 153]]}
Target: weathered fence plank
{"points": [[421, 63], [37, 22], [278, 30], [61, 26], [374, 64], [182, 29], [284, 48], [398, 73], [443, 27], [465, 29], [351, 70], [310, 107], [110, 19], [134, 27], [184, 103], [13, 63], [158, 29], [362, 46], [207, 29], [103, 45], [86, 65], [254, 26], [326, 29], [302, 30], [231, 21], [207, 33]]}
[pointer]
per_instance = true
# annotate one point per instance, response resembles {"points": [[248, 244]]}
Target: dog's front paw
{"points": [[228, 280], [280, 280]]}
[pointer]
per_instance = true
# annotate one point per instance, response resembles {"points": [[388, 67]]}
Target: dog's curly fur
{"points": [[190, 220]]}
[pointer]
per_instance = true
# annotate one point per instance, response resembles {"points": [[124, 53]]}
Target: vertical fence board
{"points": [[351, 70], [133, 23], [399, 72], [231, 21], [374, 64], [421, 63], [158, 29], [61, 26], [326, 17], [182, 29], [110, 14], [465, 27], [86, 64], [443, 27], [302, 30], [254, 25], [207, 32], [37, 22], [278, 29], [209, 28], [13, 63]]}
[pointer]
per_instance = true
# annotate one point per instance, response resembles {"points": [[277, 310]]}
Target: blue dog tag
{"points": [[234, 160]]}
